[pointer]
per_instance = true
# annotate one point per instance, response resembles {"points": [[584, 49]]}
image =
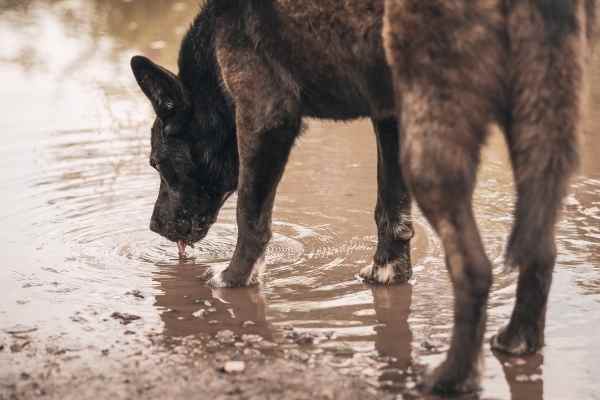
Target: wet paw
{"points": [[219, 280], [226, 279], [447, 380], [395, 272], [516, 344]]}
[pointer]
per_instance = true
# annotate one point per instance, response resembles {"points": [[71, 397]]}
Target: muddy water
{"points": [[77, 194]]}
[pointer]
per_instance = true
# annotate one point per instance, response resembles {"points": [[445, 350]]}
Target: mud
{"points": [[78, 258]]}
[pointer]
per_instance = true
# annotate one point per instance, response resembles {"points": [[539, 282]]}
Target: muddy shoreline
{"points": [[186, 368]]}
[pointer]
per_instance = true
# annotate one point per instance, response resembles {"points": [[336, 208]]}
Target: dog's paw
{"points": [[219, 281], [395, 272], [224, 278], [515, 344], [447, 380]]}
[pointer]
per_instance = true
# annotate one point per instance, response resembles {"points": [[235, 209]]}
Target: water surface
{"points": [[77, 193]]}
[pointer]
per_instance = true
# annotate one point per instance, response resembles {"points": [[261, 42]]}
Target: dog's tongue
{"points": [[181, 245]]}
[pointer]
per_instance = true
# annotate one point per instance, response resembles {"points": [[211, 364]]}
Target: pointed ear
{"points": [[162, 87]]}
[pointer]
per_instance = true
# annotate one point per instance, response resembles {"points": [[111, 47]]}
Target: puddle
{"points": [[78, 193]]}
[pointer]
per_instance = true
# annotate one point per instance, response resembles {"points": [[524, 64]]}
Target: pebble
{"points": [[18, 347], [199, 314], [233, 367], [226, 337], [125, 318], [297, 355], [252, 339], [303, 338], [135, 293], [252, 353], [248, 323]]}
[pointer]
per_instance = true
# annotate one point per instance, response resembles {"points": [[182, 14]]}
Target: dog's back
{"points": [[458, 66]]}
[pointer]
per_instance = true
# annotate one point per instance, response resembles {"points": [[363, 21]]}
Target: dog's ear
{"points": [[162, 87]]}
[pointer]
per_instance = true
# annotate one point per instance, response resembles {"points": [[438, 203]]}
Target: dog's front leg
{"points": [[263, 156]]}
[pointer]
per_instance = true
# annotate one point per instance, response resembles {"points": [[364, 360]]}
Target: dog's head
{"points": [[193, 150]]}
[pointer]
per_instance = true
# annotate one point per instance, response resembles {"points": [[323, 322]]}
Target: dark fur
{"points": [[251, 70], [459, 66], [228, 121]]}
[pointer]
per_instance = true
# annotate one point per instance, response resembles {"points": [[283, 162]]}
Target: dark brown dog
{"points": [[460, 65], [250, 70]]}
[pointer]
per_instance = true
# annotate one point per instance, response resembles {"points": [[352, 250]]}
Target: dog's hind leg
{"points": [[447, 90], [542, 136], [391, 263], [440, 164]]}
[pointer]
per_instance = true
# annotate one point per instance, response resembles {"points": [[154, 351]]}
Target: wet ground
{"points": [[93, 304]]}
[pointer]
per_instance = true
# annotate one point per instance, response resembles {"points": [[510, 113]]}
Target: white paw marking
{"points": [[380, 274], [217, 280]]}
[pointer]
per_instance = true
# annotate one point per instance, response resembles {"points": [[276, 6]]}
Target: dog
{"points": [[251, 70]]}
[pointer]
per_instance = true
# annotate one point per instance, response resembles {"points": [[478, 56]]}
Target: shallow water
{"points": [[77, 194]]}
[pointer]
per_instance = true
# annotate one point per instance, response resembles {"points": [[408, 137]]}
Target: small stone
{"points": [[129, 332], [225, 337], [125, 318], [78, 319], [297, 355], [207, 303], [252, 339], [520, 361], [18, 347], [234, 367], [265, 344], [427, 345], [246, 324], [25, 376], [252, 353], [135, 293], [211, 310], [214, 322], [105, 352], [301, 338], [199, 314]]}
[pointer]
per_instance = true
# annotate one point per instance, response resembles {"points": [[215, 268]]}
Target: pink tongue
{"points": [[181, 245]]}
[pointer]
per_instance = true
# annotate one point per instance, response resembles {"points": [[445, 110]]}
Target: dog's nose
{"points": [[183, 226]]}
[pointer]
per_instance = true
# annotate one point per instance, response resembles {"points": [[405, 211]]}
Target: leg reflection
{"points": [[394, 338], [189, 307], [524, 376]]}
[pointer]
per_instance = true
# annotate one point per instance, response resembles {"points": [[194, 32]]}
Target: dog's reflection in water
{"points": [[393, 336], [189, 306]]}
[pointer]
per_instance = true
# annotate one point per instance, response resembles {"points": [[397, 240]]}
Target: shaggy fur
{"points": [[458, 66], [251, 70]]}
